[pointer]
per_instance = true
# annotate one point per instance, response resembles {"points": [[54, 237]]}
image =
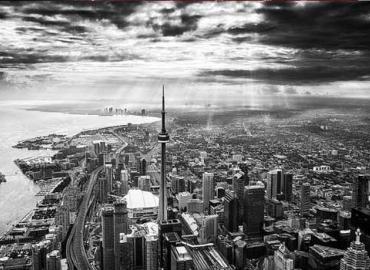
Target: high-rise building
{"points": [[360, 220], [108, 238], [168, 228], [144, 182], [151, 252], [177, 184], [169, 239], [142, 167], [288, 187], [305, 199], [231, 212], [62, 218], [137, 250], [274, 183], [183, 198], [208, 230], [238, 187], [103, 189], [124, 182], [96, 145], [208, 190], [39, 252], [125, 259], [53, 260], [282, 259], [120, 226], [279, 185], [254, 198], [324, 257], [347, 203], [102, 146], [180, 258], [195, 206], [109, 176], [360, 191], [356, 257]]}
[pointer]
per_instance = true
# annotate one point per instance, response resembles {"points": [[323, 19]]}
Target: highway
{"points": [[76, 253]]}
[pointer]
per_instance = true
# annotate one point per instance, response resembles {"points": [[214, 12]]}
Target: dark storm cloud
{"points": [[315, 25], [187, 23], [3, 15], [219, 45], [63, 25], [263, 27], [115, 13], [24, 57], [302, 75]]}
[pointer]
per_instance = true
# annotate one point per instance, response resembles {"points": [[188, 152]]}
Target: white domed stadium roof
{"points": [[137, 198]]}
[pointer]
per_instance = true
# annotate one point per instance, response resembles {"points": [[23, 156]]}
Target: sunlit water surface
{"points": [[17, 195]]}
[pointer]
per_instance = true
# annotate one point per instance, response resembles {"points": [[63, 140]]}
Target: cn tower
{"points": [[163, 138]]}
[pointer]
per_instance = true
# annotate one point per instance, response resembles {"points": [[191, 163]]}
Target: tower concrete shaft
{"points": [[163, 138]]}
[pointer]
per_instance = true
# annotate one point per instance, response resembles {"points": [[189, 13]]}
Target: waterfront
{"points": [[17, 195]]}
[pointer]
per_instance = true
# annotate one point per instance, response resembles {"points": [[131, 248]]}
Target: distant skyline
{"points": [[209, 52]]}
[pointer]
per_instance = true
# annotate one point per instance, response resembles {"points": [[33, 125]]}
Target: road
{"points": [[76, 253]]}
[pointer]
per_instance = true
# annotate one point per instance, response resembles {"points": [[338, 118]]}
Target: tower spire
{"points": [[163, 113], [163, 138], [163, 98], [358, 234]]}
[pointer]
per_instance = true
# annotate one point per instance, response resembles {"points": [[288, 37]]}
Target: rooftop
{"points": [[327, 252], [137, 198]]}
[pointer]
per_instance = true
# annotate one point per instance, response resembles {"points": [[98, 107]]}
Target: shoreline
{"points": [[86, 111], [12, 223]]}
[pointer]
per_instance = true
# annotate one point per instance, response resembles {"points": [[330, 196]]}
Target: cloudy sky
{"points": [[202, 52]]}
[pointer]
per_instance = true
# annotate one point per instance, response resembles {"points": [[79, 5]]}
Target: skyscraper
{"points": [[282, 259], [125, 258], [142, 167], [279, 185], [120, 226], [151, 252], [124, 181], [53, 260], [254, 198], [274, 182], [208, 230], [208, 190], [288, 187], [109, 176], [180, 258], [305, 199], [360, 191], [163, 138], [356, 257], [137, 250], [108, 238], [144, 182], [231, 212], [238, 187], [103, 189]]}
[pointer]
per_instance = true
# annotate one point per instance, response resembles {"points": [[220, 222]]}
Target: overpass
{"points": [[76, 253]]}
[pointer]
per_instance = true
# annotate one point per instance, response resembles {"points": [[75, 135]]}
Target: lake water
{"points": [[17, 195]]}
